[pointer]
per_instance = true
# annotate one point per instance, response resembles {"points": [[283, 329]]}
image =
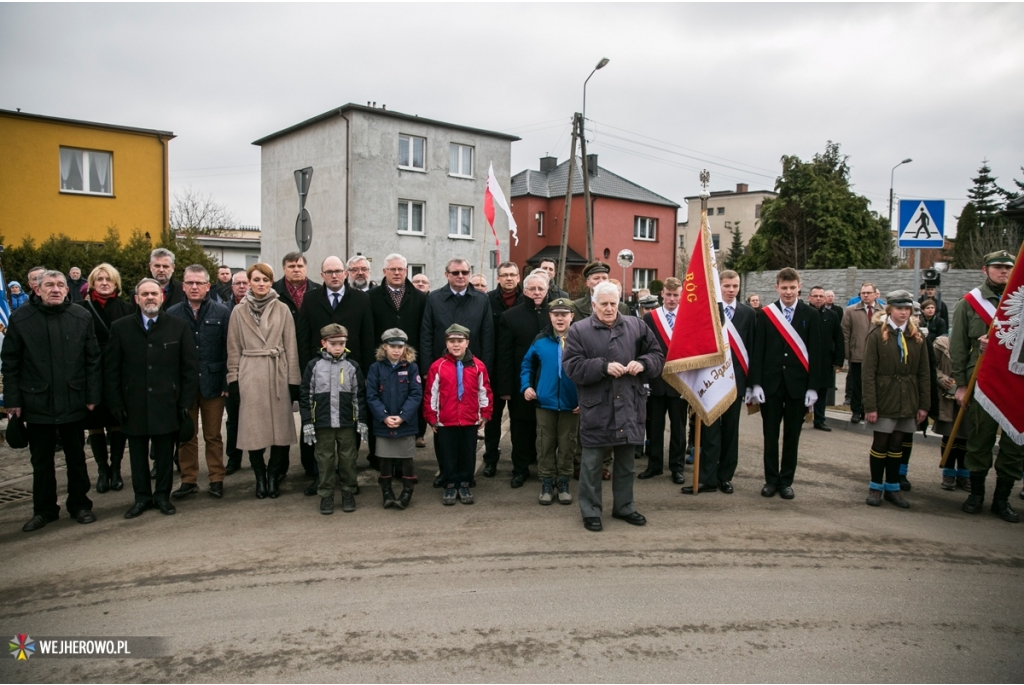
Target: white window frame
{"points": [[460, 211], [459, 171], [411, 147], [409, 204], [640, 274], [540, 223], [86, 161], [645, 228], [416, 270]]}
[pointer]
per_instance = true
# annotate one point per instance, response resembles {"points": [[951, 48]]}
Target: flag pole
{"points": [[696, 456], [705, 177]]}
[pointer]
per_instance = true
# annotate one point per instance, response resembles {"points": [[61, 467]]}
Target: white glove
{"points": [[748, 397], [364, 431], [757, 395], [309, 434], [810, 398]]}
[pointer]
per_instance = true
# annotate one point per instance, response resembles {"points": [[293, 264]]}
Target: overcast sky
{"points": [[729, 87]]}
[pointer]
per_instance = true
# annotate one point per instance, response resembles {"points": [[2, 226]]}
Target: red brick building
{"points": [[625, 216]]}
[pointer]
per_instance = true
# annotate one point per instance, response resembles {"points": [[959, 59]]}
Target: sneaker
{"points": [[327, 506], [896, 497], [464, 494], [448, 498], [564, 496], [348, 502], [874, 498], [547, 494], [949, 482], [963, 483]]}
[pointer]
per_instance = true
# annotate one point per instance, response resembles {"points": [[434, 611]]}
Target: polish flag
{"points": [[491, 195]]}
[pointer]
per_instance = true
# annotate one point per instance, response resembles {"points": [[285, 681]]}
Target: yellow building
{"points": [[79, 178]]}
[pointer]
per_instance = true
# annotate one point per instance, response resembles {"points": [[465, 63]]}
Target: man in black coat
{"points": [[833, 348], [503, 298], [336, 303], [554, 292], [517, 329], [830, 305], [785, 372], [151, 380], [208, 322], [161, 266], [52, 379], [459, 303]]}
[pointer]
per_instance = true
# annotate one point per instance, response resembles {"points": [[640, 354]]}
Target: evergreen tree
{"points": [[987, 197], [736, 248], [967, 234]]}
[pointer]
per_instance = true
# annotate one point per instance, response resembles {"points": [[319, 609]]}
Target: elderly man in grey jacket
{"points": [[610, 357]]}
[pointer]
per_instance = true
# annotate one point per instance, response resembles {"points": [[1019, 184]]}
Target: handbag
{"points": [[16, 435]]}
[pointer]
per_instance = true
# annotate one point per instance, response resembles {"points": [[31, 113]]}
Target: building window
{"points": [[644, 228], [416, 269], [711, 211], [716, 239], [460, 221], [642, 278], [757, 211], [721, 210], [682, 241], [412, 152], [540, 223], [86, 171], [460, 160], [410, 217]]}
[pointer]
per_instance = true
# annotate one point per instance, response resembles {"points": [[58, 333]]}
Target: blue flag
{"points": [[5, 305]]}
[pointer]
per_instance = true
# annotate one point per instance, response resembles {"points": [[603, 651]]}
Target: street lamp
{"points": [[600, 65], [586, 172], [892, 176]]}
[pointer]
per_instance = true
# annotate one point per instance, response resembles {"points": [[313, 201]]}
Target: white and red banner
{"points": [[493, 194], [699, 363], [981, 306], [1000, 383], [785, 328]]}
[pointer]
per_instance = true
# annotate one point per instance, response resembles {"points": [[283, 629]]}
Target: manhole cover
{"points": [[14, 495]]}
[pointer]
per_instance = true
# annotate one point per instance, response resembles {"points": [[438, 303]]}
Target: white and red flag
{"points": [[1000, 383], [493, 194], [698, 362]]}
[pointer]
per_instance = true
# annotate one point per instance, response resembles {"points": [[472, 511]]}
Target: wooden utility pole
{"points": [[586, 191], [568, 203]]}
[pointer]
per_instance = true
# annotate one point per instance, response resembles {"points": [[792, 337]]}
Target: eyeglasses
{"points": [[194, 284], [459, 273], [396, 269], [334, 272], [360, 269]]}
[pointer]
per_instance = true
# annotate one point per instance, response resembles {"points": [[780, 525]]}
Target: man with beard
{"points": [[161, 266], [359, 275]]}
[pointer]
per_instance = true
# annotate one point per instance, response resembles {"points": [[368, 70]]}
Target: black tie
{"points": [[149, 323], [336, 296]]}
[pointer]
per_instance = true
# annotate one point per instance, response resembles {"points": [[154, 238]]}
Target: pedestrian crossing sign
{"points": [[922, 223]]}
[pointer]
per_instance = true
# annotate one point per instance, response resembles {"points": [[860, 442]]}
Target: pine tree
{"points": [[967, 234], [987, 197], [736, 248]]}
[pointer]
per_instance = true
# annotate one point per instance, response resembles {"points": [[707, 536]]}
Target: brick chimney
{"points": [[592, 165], [741, 187], [548, 163]]}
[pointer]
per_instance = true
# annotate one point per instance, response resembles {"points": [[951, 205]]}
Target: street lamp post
{"points": [[892, 177], [586, 171]]}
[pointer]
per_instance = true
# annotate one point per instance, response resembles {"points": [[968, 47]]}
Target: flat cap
{"points": [[394, 336], [649, 302], [1000, 257], [597, 267], [456, 331], [562, 304], [332, 330], [899, 298]]}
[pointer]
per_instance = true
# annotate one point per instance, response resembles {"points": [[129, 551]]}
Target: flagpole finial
{"points": [[705, 178]]}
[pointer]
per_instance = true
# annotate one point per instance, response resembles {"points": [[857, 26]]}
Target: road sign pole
{"points": [[917, 272]]}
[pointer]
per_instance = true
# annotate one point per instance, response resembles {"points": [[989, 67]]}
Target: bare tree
{"points": [[196, 213]]}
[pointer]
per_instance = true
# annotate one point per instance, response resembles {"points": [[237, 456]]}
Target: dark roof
{"points": [[551, 252], [605, 184], [351, 107], [88, 124]]}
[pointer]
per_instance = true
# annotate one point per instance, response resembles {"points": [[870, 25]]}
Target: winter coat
{"points": [[152, 376], [946, 383], [353, 313], [612, 410], [264, 361], [517, 329], [497, 309], [394, 391], [936, 326], [103, 316], [18, 300], [856, 326], [282, 294], [333, 393], [472, 310], [173, 294], [441, 403], [541, 371], [209, 328], [408, 317], [51, 363], [894, 389], [833, 345]]}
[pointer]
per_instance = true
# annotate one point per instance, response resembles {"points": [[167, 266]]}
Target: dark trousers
{"points": [[819, 406], [720, 445], [780, 408], [524, 444], [853, 385], [456, 447], [161, 449], [657, 406], [234, 455], [42, 443], [492, 432]]}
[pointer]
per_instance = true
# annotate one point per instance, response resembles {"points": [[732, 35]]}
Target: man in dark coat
{"points": [[75, 284], [594, 274], [503, 298], [785, 372], [610, 356], [52, 379], [161, 266], [554, 292], [208, 321], [151, 380], [830, 305], [336, 303], [458, 303], [517, 329], [833, 348]]}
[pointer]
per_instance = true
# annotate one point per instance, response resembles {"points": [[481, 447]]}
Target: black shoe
{"points": [[856, 418], [232, 468], [116, 482], [490, 470], [786, 492], [678, 478], [102, 481], [726, 487], [166, 508], [327, 506], [280, 478], [404, 498], [274, 487], [634, 519], [439, 482], [311, 488], [688, 489], [37, 522], [137, 510], [592, 523], [904, 483], [518, 481], [348, 502], [769, 490], [649, 473], [822, 427], [185, 490], [85, 516], [217, 489], [261, 486]]}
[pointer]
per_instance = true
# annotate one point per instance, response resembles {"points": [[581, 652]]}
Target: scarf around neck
{"points": [[257, 305]]}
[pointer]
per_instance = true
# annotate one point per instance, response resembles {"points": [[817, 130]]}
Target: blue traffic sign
{"points": [[922, 223]]}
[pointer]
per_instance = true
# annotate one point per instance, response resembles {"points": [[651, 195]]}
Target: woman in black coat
{"points": [[103, 301]]}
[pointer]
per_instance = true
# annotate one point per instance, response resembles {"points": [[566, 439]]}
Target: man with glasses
{"points": [[208, 321], [502, 298], [359, 275], [856, 325]]}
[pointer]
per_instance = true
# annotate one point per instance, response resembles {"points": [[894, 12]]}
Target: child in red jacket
{"points": [[456, 401]]}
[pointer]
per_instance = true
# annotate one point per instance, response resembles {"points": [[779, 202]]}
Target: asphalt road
{"points": [[715, 588]]}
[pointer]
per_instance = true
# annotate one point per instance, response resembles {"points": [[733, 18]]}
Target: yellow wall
{"points": [[31, 202]]}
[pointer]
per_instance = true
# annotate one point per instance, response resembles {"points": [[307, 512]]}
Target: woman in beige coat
{"points": [[263, 372]]}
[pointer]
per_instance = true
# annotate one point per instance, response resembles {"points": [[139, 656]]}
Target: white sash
{"points": [[661, 321], [985, 309], [789, 334], [736, 342]]}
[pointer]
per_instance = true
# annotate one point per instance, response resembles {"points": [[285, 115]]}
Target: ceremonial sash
{"points": [[736, 342], [661, 323], [985, 309], [788, 333]]}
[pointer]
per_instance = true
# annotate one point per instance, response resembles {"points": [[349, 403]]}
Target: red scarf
{"points": [[509, 299], [101, 299], [296, 292]]}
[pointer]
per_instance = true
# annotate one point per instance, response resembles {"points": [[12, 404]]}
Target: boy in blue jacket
{"points": [[558, 414]]}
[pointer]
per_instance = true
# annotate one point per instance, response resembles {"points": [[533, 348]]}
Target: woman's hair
{"points": [[409, 355], [264, 269], [912, 330], [929, 303], [111, 272]]}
